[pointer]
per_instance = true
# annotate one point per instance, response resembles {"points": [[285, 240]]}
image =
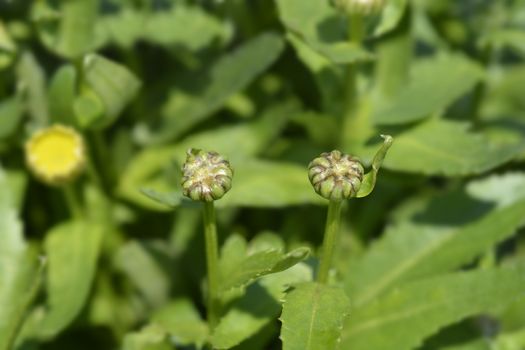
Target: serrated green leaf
{"points": [[424, 149], [320, 26], [72, 250], [257, 307], [434, 84], [112, 83], [312, 317], [20, 268], [182, 321], [237, 269], [188, 27], [448, 232], [402, 319], [230, 74]]}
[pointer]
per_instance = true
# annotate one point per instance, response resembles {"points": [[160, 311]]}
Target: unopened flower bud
{"points": [[336, 176], [56, 155], [360, 7], [206, 176]]}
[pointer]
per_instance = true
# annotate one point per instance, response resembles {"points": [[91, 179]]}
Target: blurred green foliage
{"points": [[433, 259]]}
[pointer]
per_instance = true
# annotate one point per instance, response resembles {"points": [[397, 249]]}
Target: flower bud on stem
{"points": [[207, 176], [336, 177]]}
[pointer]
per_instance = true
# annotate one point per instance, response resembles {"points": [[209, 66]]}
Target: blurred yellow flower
{"points": [[56, 155]]}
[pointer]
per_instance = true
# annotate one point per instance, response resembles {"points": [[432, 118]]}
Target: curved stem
{"points": [[72, 201], [331, 236], [212, 261]]}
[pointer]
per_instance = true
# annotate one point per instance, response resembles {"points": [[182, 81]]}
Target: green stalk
{"points": [[354, 128], [72, 201], [330, 241], [212, 261]]}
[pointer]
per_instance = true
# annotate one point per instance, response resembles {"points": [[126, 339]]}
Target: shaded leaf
{"points": [[182, 321], [228, 75], [321, 27], [257, 307]]}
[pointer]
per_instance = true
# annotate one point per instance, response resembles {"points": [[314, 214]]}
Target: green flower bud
{"points": [[336, 176], [360, 7], [206, 176]]}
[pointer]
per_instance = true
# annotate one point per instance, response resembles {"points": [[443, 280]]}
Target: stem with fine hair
{"points": [[330, 240], [212, 261]]}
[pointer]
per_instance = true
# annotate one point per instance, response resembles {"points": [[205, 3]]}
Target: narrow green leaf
{"points": [[434, 84], [448, 232], [142, 263], [113, 84], [391, 15], [182, 321], [10, 116], [423, 149], [405, 317], [312, 317], [32, 82], [369, 180], [61, 95], [67, 29], [258, 307], [72, 250], [320, 26], [228, 75]]}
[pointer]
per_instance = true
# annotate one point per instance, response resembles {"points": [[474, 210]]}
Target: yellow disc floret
{"points": [[56, 155]]}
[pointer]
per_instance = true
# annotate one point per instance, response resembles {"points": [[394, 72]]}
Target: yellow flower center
{"points": [[55, 154]]}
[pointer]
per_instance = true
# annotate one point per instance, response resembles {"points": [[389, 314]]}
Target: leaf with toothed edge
{"points": [[403, 318], [240, 265]]}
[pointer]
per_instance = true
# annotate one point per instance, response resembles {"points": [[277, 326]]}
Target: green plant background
{"points": [[434, 258]]}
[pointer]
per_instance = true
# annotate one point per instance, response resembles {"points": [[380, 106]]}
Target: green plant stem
{"points": [[330, 240], [352, 129], [72, 201], [212, 261]]}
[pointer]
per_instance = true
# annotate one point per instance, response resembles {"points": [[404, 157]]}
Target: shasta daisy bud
{"points": [[360, 7], [336, 176], [206, 176], [56, 155]]}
